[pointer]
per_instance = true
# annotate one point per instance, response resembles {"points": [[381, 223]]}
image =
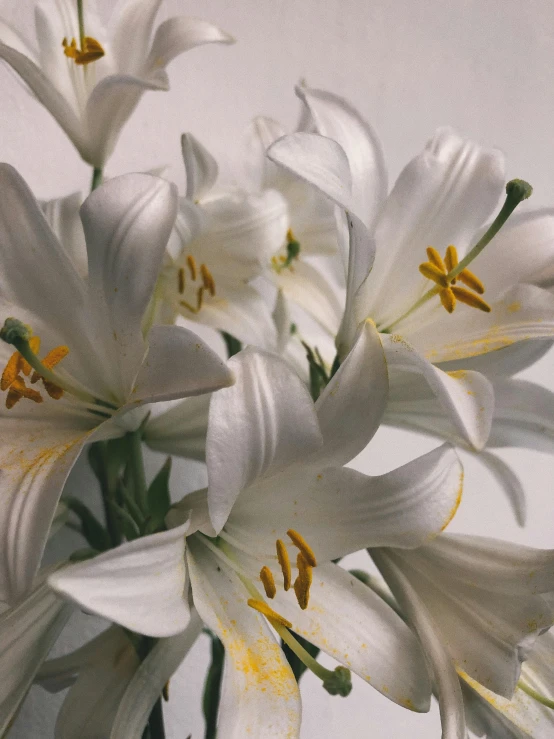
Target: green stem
{"points": [[156, 721], [137, 468], [97, 176], [81, 15], [535, 694], [108, 495], [212, 688]]}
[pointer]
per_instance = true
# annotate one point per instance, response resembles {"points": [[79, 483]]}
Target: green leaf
{"points": [[129, 503], [233, 345], [128, 523], [159, 499], [81, 554], [212, 687], [91, 528]]}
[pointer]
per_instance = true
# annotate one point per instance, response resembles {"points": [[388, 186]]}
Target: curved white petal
{"points": [[12, 38], [27, 632], [467, 397], [335, 118], [127, 223], [509, 482], [130, 31], [317, 160], [260, 696], [441, 198], [503, 362], [181, 430], [524, 312], [62, 215], [47, 95], [351, 407], [263, 423], [149, 680], [200, 167], [340, 511], [179, 34], [352, 624], [440, 663], [178, 364], [35, 459], [139, 585], [260, 172]]}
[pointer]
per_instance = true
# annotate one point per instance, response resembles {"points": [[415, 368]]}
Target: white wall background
{"points": [[483, 66]]}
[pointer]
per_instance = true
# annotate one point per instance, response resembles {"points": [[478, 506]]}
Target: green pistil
{"points": [[535, 694]]}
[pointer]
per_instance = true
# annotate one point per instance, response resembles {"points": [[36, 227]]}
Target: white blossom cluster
{"points": [[343, 304]]}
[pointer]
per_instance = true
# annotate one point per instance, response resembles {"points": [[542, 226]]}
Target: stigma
{"points": [[91, 50], [438, 270], [202, 282], [286, 261]]}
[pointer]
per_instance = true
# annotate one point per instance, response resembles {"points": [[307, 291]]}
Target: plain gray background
{"points": [[483, 66]]}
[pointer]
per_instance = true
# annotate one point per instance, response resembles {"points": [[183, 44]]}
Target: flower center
{"points": [[201, 281], [279, 262], [91, 50], [443, 274]]}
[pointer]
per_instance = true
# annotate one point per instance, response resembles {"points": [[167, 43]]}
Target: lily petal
{"points": [[12, 38], [263, 423], [28, 632], [200, 167], [145, 687], [62, 215], [259, 694], [178, 364], [440, 663], [509, 482], [113, 585], [131, 28], [181, 430], [260, 172], [335, 118]]}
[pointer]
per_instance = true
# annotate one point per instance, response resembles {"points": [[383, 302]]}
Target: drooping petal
{"points": [[178, 364], [441, 198], [263, 423], [35, 459], [351, 407], [149, 680], [181, 430], [179, 34], [440, 663], [200, 167], [356, 627], [260, 696], [335, 118], [403, 508], [127, 223], [139, 585], [467, 397], [27, 632]]}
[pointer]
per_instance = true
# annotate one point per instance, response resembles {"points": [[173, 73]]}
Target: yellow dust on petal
{"points": [[456, 505], [514, 307]]}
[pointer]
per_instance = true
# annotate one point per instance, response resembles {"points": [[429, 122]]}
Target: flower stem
{"points": [[137, 468], [212, 688], [97, 175], [156, 721], [81, 16]]}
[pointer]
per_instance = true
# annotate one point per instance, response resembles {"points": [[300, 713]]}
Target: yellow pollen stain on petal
{"points": [[299, 542], [268, 582], [303, 582], [514, 307], [92, 50], [456, 505], [265, 610], [284, 561]]}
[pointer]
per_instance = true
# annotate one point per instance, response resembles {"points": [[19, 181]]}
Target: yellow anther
{"points": [[290, 235], [53, 390], [432, 272], [19, 390], [451, 258], [263, 608], [53, 358], [299, 542], [11, 370], [181, 280], [266, 576], [472, 281], [284, 561], [303, 582], [207, 279], [92, 50], [34, 345], [199, 298], [447, 299], [435, 258], [474, 301], [188, 306], [191, 262]]}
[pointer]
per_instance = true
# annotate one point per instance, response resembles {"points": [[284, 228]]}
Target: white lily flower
{"points": [[275, 469], [96, 365], [225, 240], [477, 607], [27, 633], [90, 79], [441, 198], [529, 714]]}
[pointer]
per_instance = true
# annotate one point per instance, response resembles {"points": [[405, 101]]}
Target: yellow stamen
{"points": [[11, 371], [299, 542], [464, 296], [290, 235], [53, 390], [447, 299], [431, 272], [19, 390], [435, 258], [191, 262], [472, 281], [266, 577], [207, 279], [34, 344], [92, 50], [165, 691], [303, 582], [188, 306], [199, 298], [53, 358], [451, 258], [263, 608], [181, 280], [284, 561]]}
